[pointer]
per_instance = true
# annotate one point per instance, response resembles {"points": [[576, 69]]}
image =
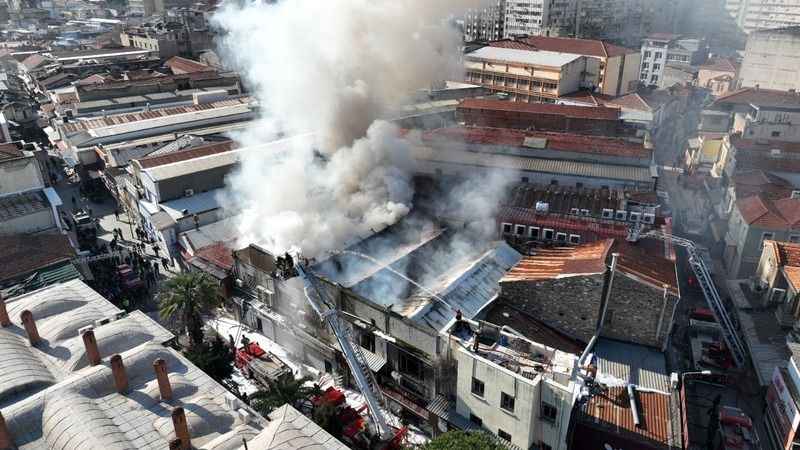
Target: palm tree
{"points": [[282, 390], [185, 299]]}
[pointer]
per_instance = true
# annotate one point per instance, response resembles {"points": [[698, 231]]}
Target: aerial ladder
{"points": [[700, 269], [364, 378]]}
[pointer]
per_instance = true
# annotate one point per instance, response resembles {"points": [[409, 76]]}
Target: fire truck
{"points": [[258, 364]]}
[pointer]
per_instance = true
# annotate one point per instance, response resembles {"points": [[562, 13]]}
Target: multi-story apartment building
{"points": [[525, 17], [660, 50], [530, 75], [518, 389], [772, 59], [752, 15], [485, 24]]}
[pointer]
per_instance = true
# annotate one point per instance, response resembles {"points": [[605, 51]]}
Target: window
{"points": [[549, 412], [506, 228], [534, 232], [645, 66], [503, 435], [776, 134], [656, 66], [477, 387], [574, 239], [561, 237], [644, 76], [647, 54], [659, 55], [476, 420], [411, 366], [368, 341], [766, 237], [507, 403], [548, 234], [526, 180], [654, 79], [794, 238], [777, 295], [519, 230]]}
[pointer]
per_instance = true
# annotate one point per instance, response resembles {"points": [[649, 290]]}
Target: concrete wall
{"points": [[521, 423], [20, 175], [571, 305], [207, 180], [771, 61], [30, 223]]}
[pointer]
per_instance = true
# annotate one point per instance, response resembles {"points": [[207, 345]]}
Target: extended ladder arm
{"points": [[710, 292], [364, 378]]}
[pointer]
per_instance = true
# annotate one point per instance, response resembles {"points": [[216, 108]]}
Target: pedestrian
{"points": [[164, 263], [156, 249], [116, 213]]}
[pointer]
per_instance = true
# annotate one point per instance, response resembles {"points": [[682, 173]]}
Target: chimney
{"points": [[4, 320], [164, 388], [120, 377], [30, 326], [90, 343], [181, 428], [175, 444], [5, 436]]}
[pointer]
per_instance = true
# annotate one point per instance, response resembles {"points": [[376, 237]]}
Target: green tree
{"points": [[215, 358], [280, 391], [461, 440], [184, 300]]}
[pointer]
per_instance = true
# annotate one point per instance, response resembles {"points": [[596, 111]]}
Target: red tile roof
{"points": [[21, 254], [753, 182], [218, 254], [631, 101], [578, 112], [34, 61], [760, 97], [588, 47], [788, 253], [720, 65], [763, 145], [10, 151], [179, 65], [758, 210], [185, 155], [561, 262], [566, 142]]}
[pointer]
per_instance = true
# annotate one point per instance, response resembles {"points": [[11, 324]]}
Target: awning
{"points": [[374, 361]]}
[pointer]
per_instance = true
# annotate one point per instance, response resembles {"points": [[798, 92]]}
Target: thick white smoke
{"points": [[331, 69]]}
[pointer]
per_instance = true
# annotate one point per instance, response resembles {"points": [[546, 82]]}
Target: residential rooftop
{"points": [[764, 98], [577, 112], [561, 262], [587, 47], [526, 57], [761, 211], [23, 204], [21, 254], [538, 140]]}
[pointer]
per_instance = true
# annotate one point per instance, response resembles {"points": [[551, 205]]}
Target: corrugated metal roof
{"points": [[632, 364], [611, 412], [195, 165], [541, 165]]}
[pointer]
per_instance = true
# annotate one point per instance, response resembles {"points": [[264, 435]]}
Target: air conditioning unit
{"points": [[608, 213], [265, 295], [244, 416], [188, 192], [634, 216], [574, 211], [622, 215], [795, 194], [649, 218], [231, 402]]}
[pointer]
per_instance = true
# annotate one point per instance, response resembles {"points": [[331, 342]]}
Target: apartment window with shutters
{"points": [[368, 341]]}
